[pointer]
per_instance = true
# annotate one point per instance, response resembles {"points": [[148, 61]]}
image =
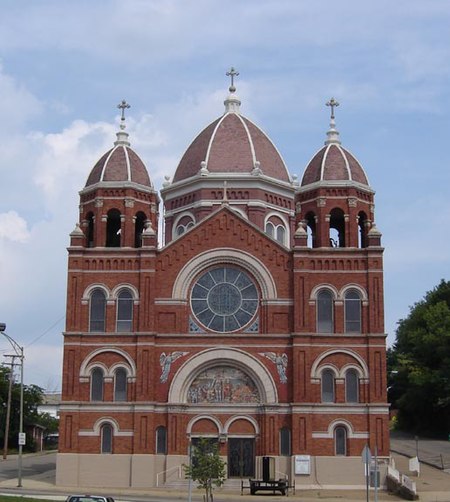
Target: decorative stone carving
{"points": [[281, 360], [166, 360]]}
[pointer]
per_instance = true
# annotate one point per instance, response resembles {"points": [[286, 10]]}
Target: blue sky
{"points": [[65, 65]]}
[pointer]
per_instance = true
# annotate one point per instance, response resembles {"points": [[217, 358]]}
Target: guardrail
{"points": [[166, 472]]}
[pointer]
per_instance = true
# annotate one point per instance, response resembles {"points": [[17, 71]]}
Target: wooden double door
{"points": [[241, 457]]}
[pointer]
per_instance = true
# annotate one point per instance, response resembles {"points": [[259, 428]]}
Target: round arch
{"points": [[234, 357], [250, 419], [225, 256], [316, 364], [211, 418], [84, 368]]}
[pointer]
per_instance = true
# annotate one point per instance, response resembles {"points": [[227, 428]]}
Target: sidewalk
{"points": [[433, 485]]}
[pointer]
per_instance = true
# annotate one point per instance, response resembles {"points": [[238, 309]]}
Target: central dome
{"points": [[232, 144]]}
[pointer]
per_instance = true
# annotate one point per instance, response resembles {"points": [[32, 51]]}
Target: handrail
{"points": [[176, 467]]}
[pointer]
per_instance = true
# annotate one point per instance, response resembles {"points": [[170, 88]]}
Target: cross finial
{"points": [[232, 73], [122, 106], [333, 104]]}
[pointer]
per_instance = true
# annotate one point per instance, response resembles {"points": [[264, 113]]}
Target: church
{"points": [[238, 303]]}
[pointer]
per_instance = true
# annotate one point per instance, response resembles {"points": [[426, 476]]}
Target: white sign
{"points": [[303, 464], [22, 439], [366, 455]]}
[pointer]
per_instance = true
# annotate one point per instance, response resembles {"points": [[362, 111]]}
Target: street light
{"points": [[19, 354]]}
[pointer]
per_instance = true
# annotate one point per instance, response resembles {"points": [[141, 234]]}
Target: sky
{"points": [[65, 65]]}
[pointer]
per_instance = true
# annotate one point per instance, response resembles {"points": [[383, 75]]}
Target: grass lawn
{"points": [[14, 498]]}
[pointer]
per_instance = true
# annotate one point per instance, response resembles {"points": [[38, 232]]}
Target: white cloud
{"points": [[13, 227]]}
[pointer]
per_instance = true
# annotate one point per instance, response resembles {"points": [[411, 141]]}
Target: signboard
{"points": [[366, 455], [22, 439], [303, 464]]}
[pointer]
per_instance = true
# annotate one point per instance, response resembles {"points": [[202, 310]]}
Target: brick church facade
{"points": [[257, 322]]}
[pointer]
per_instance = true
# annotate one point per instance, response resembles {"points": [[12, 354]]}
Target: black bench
{"points": [[255, 485]]}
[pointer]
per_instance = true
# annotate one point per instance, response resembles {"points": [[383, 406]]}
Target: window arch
{"points": [[113, 229], [106, 433], [97, 383], [351, 386], [362, 225], [97, 310], [352, 309], [337, 228], [310, 220], [183, 224], [324, 311], [275, 227], [285, 441], [90, 230], [139, 226], [120, 384], [327, 386], [124, 311], [340, 440], [161, 440]]}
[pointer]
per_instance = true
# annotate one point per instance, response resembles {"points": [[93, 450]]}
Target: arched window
{"points": [[352, 312], [362, 237], [270, 229], [285, 441], [276, 230], [183, 225], [90, 230], [337, 228], [325, 312], [281, 234], [340, 440], [124, 311], [327, 386], [351, 386], [161, 440], [97, 311], [113, 229], [97, 384], [139, 225], [120, 385], [106, 438], [310, 220]]}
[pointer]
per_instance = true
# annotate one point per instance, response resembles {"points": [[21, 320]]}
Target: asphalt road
{"points": [[39, 467]]}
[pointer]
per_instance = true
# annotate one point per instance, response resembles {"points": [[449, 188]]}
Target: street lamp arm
{"points": [[17, 348]]}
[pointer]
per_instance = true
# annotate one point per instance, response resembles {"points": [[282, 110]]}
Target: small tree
{"points": [[206, 467]]}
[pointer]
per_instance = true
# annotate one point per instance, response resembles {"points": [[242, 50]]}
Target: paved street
{"points": [[39, 480]]}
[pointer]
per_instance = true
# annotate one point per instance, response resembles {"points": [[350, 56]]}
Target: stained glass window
{"points": [[224, 299]]}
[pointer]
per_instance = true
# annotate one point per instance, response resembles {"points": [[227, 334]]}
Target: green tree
{"points": [[207, 467], [419, 365], [32, 398]]}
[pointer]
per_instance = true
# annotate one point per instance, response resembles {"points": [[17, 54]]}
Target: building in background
{"points": [[257, 323]]}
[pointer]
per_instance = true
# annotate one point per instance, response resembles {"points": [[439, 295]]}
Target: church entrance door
{"points": [[241, 457]]}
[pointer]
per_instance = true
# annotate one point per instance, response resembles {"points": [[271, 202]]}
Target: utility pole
{"points": [[8, 408]]}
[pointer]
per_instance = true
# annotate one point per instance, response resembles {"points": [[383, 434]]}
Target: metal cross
{"points": [[232, 73], [122, 106], [334, 104]]}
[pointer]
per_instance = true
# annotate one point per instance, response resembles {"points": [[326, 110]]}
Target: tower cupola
{"points": [[119, 199]]}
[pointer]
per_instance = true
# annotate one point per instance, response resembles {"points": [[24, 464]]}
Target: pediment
{"points": [[225, 229]]}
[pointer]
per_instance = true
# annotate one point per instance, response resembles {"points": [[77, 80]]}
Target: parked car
{"points": [[88, 498]]}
